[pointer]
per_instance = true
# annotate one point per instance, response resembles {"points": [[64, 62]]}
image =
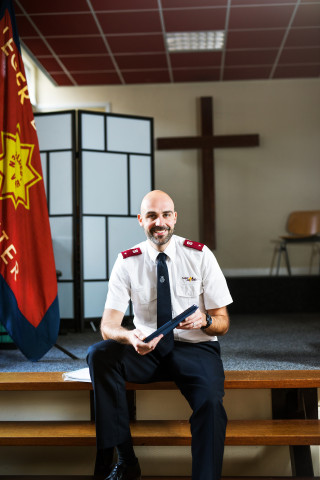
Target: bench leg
{"points": [[297, 403], [301, 461]]}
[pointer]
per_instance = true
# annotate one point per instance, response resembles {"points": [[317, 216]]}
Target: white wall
{"points": [[256, 188]]}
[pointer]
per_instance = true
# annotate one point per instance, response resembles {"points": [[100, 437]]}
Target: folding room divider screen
{"points": [[95, 177]]}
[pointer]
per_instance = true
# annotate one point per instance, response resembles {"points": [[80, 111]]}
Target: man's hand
{"points": [[194, 321], [220, 321], [136, 338]]}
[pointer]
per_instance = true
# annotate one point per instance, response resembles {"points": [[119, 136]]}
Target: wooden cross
{"points": [[207, 142]]}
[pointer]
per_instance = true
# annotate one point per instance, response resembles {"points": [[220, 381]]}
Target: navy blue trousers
{"points": [[197, 370]]}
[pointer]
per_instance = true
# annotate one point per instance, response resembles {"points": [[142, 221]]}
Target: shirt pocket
{"points": [[144, 305], [144, 296], [190, 290]]}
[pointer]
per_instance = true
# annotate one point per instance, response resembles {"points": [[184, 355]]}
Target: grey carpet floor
{"points": [[254, 342]]}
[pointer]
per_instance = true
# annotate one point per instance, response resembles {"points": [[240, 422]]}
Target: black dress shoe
{"points": [[122, 471]]}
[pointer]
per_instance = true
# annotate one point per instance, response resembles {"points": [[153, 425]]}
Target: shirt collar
{"points": [[170, 250]]}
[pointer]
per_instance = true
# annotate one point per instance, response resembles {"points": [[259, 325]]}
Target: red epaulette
{"points": [[191, 244], [131, 253]]}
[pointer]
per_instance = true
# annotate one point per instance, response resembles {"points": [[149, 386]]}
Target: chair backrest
{"points": [[304, 223]]}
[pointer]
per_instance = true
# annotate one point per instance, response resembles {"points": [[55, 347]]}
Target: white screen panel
{"points": [[92, 131], [60, 178], [94, 248], [104, 184], [65, 297], [95, 294], [43, 157], [61, 231], [128, 135], [54, 131], [140, 180], [124, 233]]}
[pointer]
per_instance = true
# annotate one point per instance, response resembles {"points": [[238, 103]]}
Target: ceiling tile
{"points": [[160, 76], [196, 75], [136, 43], [75, 24], [17, 9], [77, 45], [250, 57], [196, 59], [41, 6], [99, 78], [25, 29], [104, 5], [300, 55], [50, 64], [130, 22], [303, 37], [255, 38], [307, 15], [184, 4], [298, 71], [251, 73], [194, 19], [61, 79], [133, 32], [82, 63], [258, 3], [136, 62], [37, 47], [260, 17]]}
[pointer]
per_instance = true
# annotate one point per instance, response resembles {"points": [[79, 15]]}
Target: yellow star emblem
{"points": [[17, 174]]}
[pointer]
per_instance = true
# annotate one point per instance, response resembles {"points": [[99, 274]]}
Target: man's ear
{"points": [[139, 219]]}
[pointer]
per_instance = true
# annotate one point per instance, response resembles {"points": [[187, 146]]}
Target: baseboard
{"points": [[274, 294]]}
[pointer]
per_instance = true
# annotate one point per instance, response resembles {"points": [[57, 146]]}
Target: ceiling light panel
{"points": [[195, 41]]}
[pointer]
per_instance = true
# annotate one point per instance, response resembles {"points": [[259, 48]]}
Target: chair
{"points": [[302, 227]]}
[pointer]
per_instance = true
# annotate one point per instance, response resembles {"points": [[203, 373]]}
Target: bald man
{"points": [[193, 360]]}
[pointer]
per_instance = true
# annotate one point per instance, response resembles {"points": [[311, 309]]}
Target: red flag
{"points": [[29, 307]]}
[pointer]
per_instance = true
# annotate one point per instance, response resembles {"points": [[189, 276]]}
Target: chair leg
{"points": [[314, 252], [287, 259], [283, 249], [279, 258]]}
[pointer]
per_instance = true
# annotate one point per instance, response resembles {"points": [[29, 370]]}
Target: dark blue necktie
{"points": [[164, 311]]}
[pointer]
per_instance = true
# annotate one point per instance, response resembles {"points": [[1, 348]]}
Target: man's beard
{"points": [[160, 240]]}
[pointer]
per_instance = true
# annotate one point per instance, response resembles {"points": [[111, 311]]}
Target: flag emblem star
{"points": [[17, 175]]}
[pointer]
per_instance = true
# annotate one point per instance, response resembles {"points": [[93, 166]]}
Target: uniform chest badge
{"points": [[195, 245], [189, 279], [132, 252]]}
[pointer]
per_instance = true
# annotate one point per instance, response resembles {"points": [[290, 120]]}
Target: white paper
{"points": [[81, 375]]}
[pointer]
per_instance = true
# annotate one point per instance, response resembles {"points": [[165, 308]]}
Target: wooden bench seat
{"points": [[161, 433], [247, 379]]}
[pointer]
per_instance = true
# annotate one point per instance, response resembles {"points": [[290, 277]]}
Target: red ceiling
{"points": [[110, 42]]}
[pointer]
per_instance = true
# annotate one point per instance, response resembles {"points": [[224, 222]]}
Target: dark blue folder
{"points": [[171, 324]]}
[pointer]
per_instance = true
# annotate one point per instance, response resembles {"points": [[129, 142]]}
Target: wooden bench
{"points": [[160, 433], [252, 379], [298, 428]]}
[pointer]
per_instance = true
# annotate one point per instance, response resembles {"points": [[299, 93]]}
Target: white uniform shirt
{"points": [[195, 278]]}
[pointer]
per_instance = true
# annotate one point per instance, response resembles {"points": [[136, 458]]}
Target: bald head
{"points": [[158, 218], [156, 197]]}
